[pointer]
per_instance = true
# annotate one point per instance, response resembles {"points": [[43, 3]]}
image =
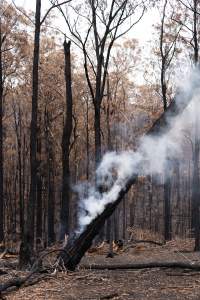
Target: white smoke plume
{"points": [[151, 156]]}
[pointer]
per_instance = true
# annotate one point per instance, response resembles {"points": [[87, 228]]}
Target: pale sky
{"points": [[142, 31]]}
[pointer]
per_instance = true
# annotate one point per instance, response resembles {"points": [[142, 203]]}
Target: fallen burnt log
{"points": [[75, 250], [147, 265]]}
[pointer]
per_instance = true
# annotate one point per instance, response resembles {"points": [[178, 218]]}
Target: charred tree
{"points": [[18, 130], [27, 245], [196, 178], [50, 179], [26, 250], [75, 249], [167, 52], [1, 141], [39, 197], [196, 190], [67, 132], [167, 205]]}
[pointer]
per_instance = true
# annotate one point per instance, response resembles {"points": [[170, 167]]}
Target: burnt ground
{"points": [[122, 284]]}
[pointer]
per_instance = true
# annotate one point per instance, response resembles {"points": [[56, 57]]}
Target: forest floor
{"points": [[86, 284]]}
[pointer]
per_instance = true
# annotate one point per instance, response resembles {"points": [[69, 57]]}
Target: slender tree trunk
{"points": [[18, 129], [195, 35], [167, 207], [39, 194], [87, 140], [51, 201], [67, 131], [21, 198], [1, 144], [97, 132], [50, 181], [196, 178], [196, 190], [26, 250]]}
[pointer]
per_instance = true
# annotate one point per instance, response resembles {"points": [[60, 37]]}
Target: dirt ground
{"points": [[122, 284]]}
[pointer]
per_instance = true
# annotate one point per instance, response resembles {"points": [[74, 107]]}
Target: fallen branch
{"points": [[31, 278], [15, 282], [147, 265]]}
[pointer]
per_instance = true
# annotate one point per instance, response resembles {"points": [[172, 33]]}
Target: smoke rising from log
{"points": [[151, 157]]}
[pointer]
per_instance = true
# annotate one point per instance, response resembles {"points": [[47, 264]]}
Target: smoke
{"points": [[152, 156]]}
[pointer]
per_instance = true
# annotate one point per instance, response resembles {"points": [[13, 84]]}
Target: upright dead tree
{"points": [[1, 138], [27, 245], [105, 22], [26, 250], [168, 47], [67, 131], [196, 175], [18, 130]]}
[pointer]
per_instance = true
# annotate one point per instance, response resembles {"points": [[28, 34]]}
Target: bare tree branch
{"points": [[52, 7]]}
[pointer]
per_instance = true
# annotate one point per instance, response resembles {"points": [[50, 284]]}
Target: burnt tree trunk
{"points": [[26, 249], [167, 208], [97, 131], [87, 139], [74, 250], [1, 143], [67, 131], [196, 191], [50, 180], [196, 178], [18, 130], [39, 192]]}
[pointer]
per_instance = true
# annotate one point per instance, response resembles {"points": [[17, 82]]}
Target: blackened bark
{"points": [[163, 60], [196, 192], [39, 198], [51, 201], [196, 179], [167, 207], [26, 249], [87, 139], [195, 35], [67, 131], [97, 132], [1, 144], [18, 130], [75, 251], [50, 180]]}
